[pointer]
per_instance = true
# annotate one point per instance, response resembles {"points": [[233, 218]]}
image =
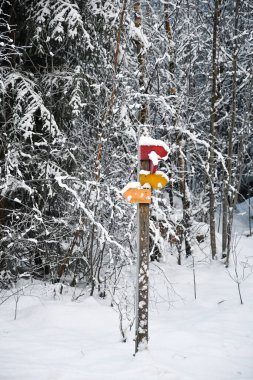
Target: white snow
{"points": [[63, 337], [137, 33], [158, 173], [153, 156], [144, 172], [242, 216], [131, 185], [149, 141]]}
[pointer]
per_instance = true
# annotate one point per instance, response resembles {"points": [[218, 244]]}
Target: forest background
{"points": [[80, 81]]}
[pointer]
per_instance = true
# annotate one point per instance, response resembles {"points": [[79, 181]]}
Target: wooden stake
{"points": [[141, 339]]}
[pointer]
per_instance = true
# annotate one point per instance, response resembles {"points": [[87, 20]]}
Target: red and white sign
{"points": [[153, 150]]}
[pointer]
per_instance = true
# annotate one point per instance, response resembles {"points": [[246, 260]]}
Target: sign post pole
{"points": [[141, 337], [150, 151]]}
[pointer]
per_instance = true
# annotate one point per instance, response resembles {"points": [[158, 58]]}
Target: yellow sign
{"points": [[157, 180]]}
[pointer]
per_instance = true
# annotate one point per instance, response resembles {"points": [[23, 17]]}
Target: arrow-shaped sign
{"points": [[157, 180], [153, 150], [159, 150], [133, 193], [148, 145]]}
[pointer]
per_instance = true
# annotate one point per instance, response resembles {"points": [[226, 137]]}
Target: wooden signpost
{"points": [[151, 151]]}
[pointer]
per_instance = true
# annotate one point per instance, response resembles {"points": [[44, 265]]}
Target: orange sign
{"points": [[138, 195], [157, 180]]}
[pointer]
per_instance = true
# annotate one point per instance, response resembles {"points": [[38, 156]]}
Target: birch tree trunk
{"points": [[213, 131], [229, 193], [140, 50]]}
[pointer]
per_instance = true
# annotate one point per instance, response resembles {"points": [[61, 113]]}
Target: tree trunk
{"points": [[179, 138], [230, 188], [143, 209], [213, 132]]}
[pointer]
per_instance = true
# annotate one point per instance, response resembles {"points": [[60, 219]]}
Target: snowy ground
{"points": [[210, 338]]}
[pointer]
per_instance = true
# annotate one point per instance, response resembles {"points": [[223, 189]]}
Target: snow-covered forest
{"points": [[80, 82]]}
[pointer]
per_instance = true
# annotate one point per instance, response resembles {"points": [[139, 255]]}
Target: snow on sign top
{"points": [[163, 175], [148, 141], [131, 185]]}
